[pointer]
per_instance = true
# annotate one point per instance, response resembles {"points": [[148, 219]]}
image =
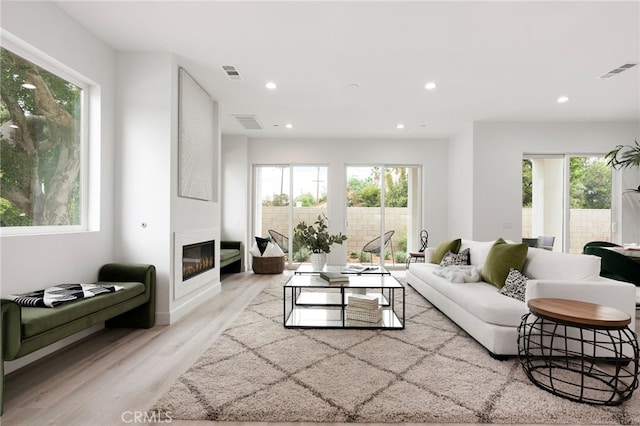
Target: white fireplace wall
{"points": [[148, 209]]}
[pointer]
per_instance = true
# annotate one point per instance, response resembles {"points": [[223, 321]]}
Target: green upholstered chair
{"points": [[614, 265]]}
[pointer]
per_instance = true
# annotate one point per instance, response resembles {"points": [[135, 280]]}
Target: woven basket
{"points": [[268, 265]]}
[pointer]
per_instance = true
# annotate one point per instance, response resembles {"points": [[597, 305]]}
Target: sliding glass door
{"points": [[567, 197], [286, 195], [382, 213]]}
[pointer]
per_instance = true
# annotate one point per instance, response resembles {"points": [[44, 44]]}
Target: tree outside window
{"points": [[40, 145]]}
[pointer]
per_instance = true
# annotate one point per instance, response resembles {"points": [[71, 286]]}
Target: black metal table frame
{"points": [[390, 304], [572, 355]]}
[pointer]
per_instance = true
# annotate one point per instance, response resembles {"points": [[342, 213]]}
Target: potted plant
{"points": [[317, 240], [624, 156]]}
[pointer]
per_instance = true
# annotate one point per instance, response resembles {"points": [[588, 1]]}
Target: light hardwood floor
{"points": [[112, 375], [108, 377]]}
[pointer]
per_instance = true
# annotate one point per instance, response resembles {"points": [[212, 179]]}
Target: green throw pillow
{"points": [[501, 258], [441, 249]]}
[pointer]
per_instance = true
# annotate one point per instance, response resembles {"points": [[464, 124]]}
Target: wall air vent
{"points": [[618, 70], [232, 72], [249, 122]]}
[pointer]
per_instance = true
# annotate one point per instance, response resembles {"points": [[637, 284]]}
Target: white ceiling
{"points": [[492, 61]]}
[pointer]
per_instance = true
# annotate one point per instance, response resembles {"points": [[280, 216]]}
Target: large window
{"points": [[41, 146], [567, 197]]}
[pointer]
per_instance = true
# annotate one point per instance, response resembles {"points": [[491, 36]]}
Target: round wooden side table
{"points": [[580, 351]]}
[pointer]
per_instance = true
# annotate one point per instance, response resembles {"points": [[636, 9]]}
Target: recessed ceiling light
{"points": [[289, 126], [430, 85], [270, 85], [562, 99], [29, 86], [400, 126]]}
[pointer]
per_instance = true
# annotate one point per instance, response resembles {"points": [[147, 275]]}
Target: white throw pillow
{"points": [[273, 250], [544, 264], [478, 250], [255, 252]]}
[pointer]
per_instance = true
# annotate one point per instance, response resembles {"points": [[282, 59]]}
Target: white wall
{"points": [[432, 155], [497, 175], [235, 196], [143, 165], [33, 262], [460, 173]]}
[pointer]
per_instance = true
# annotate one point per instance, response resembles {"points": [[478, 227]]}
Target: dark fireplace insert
{"points": [[197, 258]]}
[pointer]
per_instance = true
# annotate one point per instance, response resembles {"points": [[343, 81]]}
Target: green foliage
{"points": [[397, 186], [366, 192], [402, 241], [307, 200], [277, 200], [400, 256], [623, 156], [527, 196], [301, 255], [40, 144], [369, 196], [590, 183], [316, 237], [10, 215]]}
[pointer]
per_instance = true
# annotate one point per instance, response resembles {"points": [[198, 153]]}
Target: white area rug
{"points": [[431, 371]]}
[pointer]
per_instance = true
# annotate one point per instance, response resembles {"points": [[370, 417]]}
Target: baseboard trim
{"points": [[198, 298]]}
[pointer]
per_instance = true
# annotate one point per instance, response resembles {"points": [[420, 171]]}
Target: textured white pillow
{"points": [[460, 258], [272, 250], [515, 285]]}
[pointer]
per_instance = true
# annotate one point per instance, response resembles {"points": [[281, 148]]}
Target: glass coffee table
{"points": [[353, 269], [312, 302]]}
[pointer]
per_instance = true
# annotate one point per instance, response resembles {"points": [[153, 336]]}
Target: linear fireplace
{"points": [[195, 264], [197, 258]]}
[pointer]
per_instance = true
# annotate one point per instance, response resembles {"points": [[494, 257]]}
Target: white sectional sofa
{"points": [[493, 318]]}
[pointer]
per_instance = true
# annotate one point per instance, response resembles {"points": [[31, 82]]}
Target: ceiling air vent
{"points": [[618, 70], [249, 122], [232, 72]]}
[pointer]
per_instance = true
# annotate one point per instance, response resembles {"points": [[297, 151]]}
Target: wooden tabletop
{"points": [[581, 313]]}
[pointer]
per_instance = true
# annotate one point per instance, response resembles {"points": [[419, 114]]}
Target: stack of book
{"points": [[363, 307], [334, 277]]}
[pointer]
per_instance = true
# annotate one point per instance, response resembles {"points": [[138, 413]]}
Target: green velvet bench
{"points": [[230, 256], [27, 329]]}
